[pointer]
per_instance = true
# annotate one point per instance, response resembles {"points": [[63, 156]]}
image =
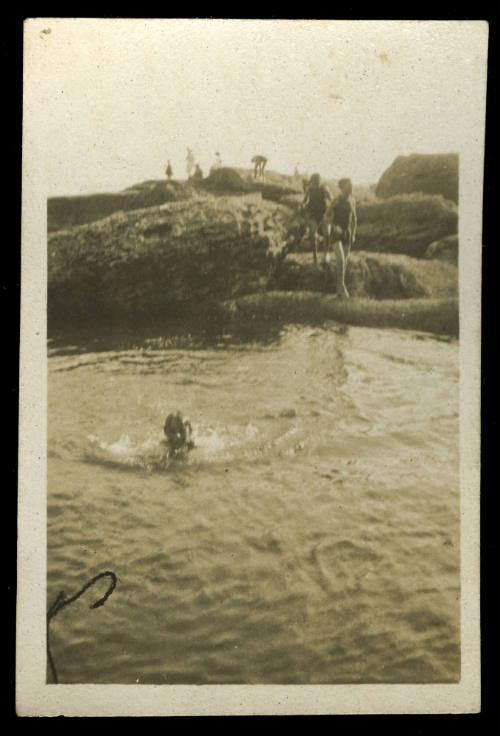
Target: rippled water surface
{"points": [[311, 537]]}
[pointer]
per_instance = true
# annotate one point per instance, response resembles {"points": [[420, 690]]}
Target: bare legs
{"points": [[341, 262], [313, 235], [326, 231], [259, 163], [341, 258]]}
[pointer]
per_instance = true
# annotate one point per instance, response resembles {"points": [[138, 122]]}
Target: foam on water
{"points": [[212, 443]]}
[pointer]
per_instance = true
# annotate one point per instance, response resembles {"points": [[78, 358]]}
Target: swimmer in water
{"points": [[178, 432]]}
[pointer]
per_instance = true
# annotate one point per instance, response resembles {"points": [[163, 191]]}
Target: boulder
{"points": [[405, 224], [429, 174], [445, 249], [226, 179], [366, 276], [167, 259], [64, 212], [230, 181]]}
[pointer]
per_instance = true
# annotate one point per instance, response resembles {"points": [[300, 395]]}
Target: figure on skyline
{"points": [[259, 164], [198, 173], [189, 162], [168, 171]]}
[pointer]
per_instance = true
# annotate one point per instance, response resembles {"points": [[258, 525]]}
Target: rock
{"points": [[64, 212], [445, 249], [405, 224], [429, 174], [292, 200], [274, 178], [274, 192], [230, 181], [366, 276], [225, 179], [164, 260], [277, 308]]}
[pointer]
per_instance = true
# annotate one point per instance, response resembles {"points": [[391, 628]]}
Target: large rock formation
{"points": [[429, 174], [405, 224], [219, 241], [64, 212], [163, 260]]}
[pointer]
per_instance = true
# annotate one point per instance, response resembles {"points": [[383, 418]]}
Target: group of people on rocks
{"points": [[190, 162], [259, 163], [334, 219]]}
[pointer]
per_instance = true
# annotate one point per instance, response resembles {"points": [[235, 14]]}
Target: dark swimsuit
{"points": [[318, 202], [343, 214]]}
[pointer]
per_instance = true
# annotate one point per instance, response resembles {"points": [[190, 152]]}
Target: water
{"points": [[311, 537]]}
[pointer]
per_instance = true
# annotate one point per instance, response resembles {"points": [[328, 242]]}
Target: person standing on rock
{"points": [[259, 164], [342, 220], [198, 173], [168, 171], [189, 162], [317, 199]]}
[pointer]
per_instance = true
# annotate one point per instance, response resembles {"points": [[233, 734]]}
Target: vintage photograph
{"points": [[253, 242]]}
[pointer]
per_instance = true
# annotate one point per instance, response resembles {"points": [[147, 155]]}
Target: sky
{"points": [[109, 102]]}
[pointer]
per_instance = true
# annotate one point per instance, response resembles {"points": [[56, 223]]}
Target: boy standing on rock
{"points": [[342, 221], [315, 205]]}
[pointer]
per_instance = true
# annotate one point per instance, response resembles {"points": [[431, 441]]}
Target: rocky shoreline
{"points": [[170, 249]]}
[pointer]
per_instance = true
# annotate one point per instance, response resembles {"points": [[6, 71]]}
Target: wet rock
{"points": [[288, 413], [303, 307]]}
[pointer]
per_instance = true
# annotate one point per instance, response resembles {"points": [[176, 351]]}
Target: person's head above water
{"points": [[345, 186], [175, 431], [178, 432]]}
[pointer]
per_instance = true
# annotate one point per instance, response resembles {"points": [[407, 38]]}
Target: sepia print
{"points": [[250, 357]]}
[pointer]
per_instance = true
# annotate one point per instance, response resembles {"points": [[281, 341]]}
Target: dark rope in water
{"points": [[61, 602]]}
